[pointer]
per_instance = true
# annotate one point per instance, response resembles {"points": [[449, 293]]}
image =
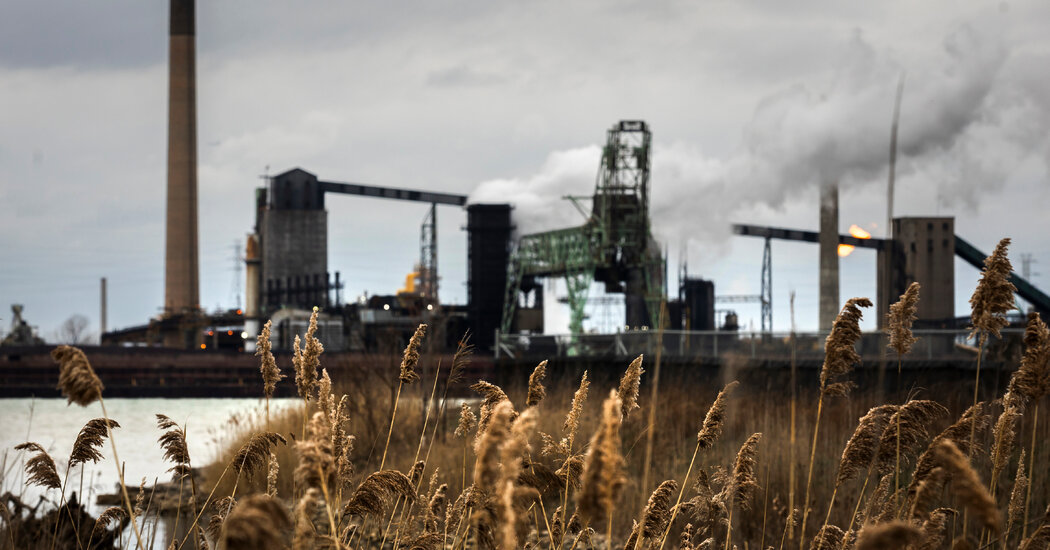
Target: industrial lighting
{"points": [[229, 333], [204, 346], [386, 307], [244, 336], [430, 307]]}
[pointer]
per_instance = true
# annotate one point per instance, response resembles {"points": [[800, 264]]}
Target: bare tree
{"points": [[74, 330]]}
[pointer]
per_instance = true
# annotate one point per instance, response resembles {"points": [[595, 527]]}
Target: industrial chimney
{"points": [[181, 287], [829, 257]]}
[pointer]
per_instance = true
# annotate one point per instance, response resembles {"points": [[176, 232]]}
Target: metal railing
{"points": [[931, 345]]}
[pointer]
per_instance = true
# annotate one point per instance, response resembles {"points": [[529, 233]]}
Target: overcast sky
{"points": [[751, 104]]}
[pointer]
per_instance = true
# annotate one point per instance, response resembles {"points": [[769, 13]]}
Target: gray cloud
{"points": [[348, 90]]}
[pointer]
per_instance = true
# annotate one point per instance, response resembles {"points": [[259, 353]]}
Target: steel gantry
{"points": [[614, 246]]}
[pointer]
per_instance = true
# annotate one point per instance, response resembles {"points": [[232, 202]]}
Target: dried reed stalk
{"points": [[888, 536], [536, 390], [40, 467], [89, 440], [1015, 510], [709, 431], [840, 354], [81, 385], [271, 374], [1031, 382], [603, 468], [958, 433], [630, 385], [742, 483], [967, 485], [657, 513], [407, 375], [257, 522], [900, 320], [861, 448]]}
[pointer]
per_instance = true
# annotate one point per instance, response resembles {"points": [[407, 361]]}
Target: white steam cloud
{"points": [[970, 115]]}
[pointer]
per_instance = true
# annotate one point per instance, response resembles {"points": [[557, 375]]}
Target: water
{"points": [[54, 425]]}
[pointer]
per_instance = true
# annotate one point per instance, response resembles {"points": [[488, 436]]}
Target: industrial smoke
{"points": [[959, 129]]}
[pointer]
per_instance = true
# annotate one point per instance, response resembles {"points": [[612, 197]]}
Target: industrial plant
{"points": [[287, 274]]}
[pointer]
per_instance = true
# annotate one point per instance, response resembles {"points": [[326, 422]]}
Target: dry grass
{"points": [[374, 459]]}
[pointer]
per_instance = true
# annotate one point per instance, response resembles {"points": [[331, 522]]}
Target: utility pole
{"points": [[102, 310]]}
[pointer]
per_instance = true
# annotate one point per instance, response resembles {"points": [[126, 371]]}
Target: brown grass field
{"points": [[388, 460]]}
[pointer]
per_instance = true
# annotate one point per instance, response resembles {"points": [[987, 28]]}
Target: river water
{"points": [[54, 425]]}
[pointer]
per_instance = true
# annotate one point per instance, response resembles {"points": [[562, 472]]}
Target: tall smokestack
{"points": [[181, 287], [829, 255]]}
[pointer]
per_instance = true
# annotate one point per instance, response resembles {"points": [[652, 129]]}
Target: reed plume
{"points": [[994, 295], [967, 485], [90, 438], [312, 349], [304, 380], [959, 434], [271, 476], [1031, 380], [536, 390], [572, 419], [900, 320], [467, 420], [40, 467], [411, 357], [1040, 539], [316, 467], [829, 537], [927, 491], [109, 515], [840, 353], [221, 509], [377, 491], [715, 418], [888, 536], [1003, 437], [905, 431], [303, 532], [512, 451], [173, 442], [434, 509], [271, 374], [253, 454], [630, 385], [657, 512], [742, 483], [861, 448], [487, 466], [76, 378], [933, 529], [258, 522], [603, 467], [1015, 510]]}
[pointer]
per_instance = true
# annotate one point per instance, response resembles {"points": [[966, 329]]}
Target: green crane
{"points": [[614, 246]]}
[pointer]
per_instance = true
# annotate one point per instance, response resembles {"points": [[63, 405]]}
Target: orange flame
{"points": [[859, 232], [856, 231]]}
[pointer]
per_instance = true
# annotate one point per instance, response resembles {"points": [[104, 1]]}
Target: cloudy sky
{"points": [[751, 104]]}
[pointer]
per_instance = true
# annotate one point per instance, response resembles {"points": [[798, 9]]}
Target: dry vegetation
{"points": [[387, 460]]}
